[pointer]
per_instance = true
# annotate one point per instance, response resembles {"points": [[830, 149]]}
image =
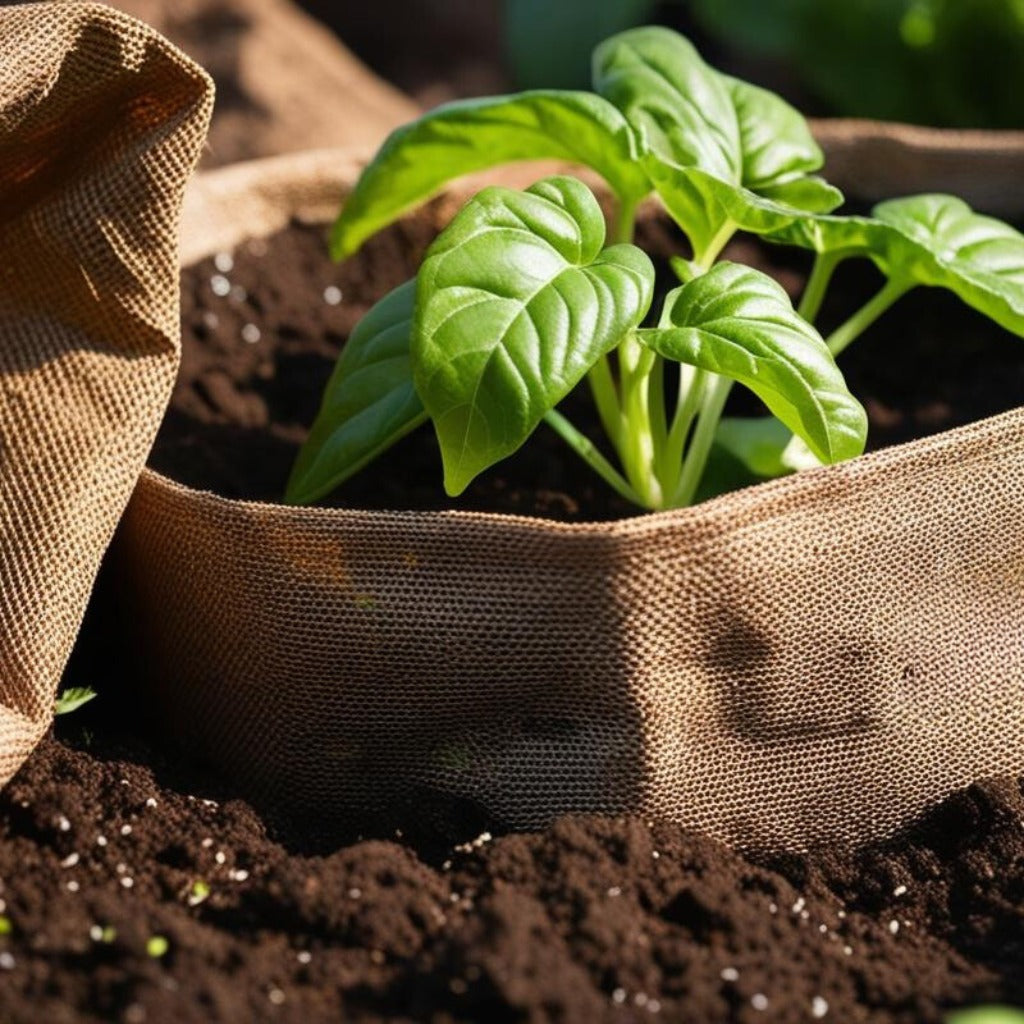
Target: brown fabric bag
{"points": [[818, 658], [875, 160], [101, 123]]}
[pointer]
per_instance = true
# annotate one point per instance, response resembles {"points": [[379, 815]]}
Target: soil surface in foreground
{"points": [[133, 893]]}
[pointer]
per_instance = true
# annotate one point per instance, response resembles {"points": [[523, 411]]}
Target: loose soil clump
{"points": [[134, 892]]}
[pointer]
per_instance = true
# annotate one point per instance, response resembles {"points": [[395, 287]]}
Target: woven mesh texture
{"points": [[820, 658], [101, 122]]}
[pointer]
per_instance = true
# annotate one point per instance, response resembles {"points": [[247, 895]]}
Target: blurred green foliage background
{"points": [[952, 63]]}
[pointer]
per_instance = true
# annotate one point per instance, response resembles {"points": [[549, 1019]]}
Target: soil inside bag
{"points": [[262, 328]]}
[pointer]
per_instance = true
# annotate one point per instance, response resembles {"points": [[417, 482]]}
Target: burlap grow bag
{"points": [[818, 658], [101, 122], [813, 659]]}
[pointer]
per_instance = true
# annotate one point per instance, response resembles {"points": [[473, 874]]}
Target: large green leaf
{"points": [[516, 302], [718, 151], [369, 403], [738, 322], [933, 240], [682, 108], [418, 159]]}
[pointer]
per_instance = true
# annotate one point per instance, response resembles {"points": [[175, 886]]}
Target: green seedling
{"points": [[72, 699], [106, 934], [524, 296], [198, 893], [987, 1015], [157, 946]]}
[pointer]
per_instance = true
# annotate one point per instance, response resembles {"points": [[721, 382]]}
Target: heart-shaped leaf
{"points": [[417, 159], [370, 401], [516, 301], [718, 151], [738, 322], [935, 240]]}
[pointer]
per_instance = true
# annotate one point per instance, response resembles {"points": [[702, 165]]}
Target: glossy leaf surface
{"points": [[517, 299], [941, 241], [716, 149], [418, 159], [738, 322], [935, 240], [369, 403]]}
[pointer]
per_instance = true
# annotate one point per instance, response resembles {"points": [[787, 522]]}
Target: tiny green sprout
{"points": [[526, 295], [157, 946], [198, 893], [72, 699], [103, 933], [987, 1015], [5, 926]]}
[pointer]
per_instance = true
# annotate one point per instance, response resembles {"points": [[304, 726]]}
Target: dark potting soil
{"points": [[263, 326], [133, 892], [256, 358]]}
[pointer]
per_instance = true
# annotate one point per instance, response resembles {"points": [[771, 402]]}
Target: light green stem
{"points": [[692, 382], [866, 315], [814, 292], [606, 398], [633, 413], [709, 253], [656, 402], [685, 270], [625, 221], [637, 449], [585, 448], [703, 437]]}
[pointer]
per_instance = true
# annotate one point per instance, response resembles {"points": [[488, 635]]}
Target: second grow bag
{"points": [[818, 658]]}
